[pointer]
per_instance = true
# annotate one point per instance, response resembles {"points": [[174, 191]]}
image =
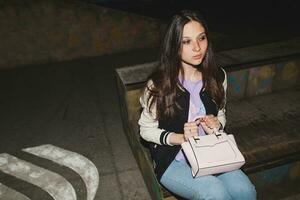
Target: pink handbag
{"points": [[212, 154]]}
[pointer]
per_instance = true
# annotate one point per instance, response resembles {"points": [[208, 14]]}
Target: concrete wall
{"points": [[263, 79], [42, 31]]}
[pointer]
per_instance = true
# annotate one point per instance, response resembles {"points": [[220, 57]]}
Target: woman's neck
{"points": [[191, 73]]}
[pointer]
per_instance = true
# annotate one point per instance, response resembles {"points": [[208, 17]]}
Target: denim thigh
{"points": [[238, 185], [179, 180]]}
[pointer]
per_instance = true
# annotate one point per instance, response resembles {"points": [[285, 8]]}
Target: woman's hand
{"points": [[190, 129], [209, 122]]}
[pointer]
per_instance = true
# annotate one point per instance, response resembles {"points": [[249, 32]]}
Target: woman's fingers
{"points": [[190, 127], [208, 123], [190, 130], [190, 124], [207, 129], [199, 120], [212, 121]]}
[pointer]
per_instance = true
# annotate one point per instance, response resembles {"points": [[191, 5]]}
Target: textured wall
{"points": [[41, 31], [263, 79]]}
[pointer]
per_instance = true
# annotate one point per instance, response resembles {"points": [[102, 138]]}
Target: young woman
{"points": [[184, 98]]}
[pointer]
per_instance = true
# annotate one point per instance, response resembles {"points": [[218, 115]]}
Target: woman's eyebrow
{"points": [[200, 34]]}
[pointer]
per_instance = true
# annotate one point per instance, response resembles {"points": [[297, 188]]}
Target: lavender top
{"points": [[196, 108]]}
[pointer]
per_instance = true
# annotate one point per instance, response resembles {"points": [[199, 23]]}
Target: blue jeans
{"points": [[230, 185]]}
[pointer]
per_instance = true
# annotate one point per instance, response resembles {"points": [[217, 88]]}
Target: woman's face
{"points": [[194, 44]]}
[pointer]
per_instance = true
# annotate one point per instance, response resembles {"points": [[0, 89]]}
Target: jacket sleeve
{"points": [[221, 114], [148, 123]]}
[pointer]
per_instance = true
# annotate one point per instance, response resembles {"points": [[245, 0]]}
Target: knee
{"points": [[250, 192], [217, 193], [246, 191]]}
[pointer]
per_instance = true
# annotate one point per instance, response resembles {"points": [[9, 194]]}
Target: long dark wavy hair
{"points": [[166, 85]]}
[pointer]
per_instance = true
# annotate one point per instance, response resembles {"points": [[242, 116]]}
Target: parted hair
{"points": [[166, 84]]}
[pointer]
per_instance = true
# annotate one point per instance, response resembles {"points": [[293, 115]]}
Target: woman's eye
{"points": [[186, 41], [202, 38]]}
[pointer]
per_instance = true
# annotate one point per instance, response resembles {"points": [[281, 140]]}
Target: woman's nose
{"points": [[196, 46]]}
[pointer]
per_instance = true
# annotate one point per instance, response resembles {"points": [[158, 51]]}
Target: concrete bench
{"points": [[263, 112]]}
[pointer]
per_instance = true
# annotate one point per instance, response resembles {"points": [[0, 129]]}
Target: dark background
{"points": [[249, 22]]}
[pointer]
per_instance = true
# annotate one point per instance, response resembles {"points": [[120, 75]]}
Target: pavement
{"points": [[71, 107]]}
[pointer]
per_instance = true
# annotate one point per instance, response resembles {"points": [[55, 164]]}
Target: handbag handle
{"points": [[217, 132]]}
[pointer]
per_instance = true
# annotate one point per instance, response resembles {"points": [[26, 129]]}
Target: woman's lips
{"points": [[197, 57]]}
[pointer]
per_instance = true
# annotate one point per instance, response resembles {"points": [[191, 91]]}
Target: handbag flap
{"points": [[212, 154], [211, 149]]}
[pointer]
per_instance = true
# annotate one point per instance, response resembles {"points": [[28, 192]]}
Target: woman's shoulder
{"points": [[149, 85]]}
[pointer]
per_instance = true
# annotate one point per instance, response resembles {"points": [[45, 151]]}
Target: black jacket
{"points": [[163, 155]]}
